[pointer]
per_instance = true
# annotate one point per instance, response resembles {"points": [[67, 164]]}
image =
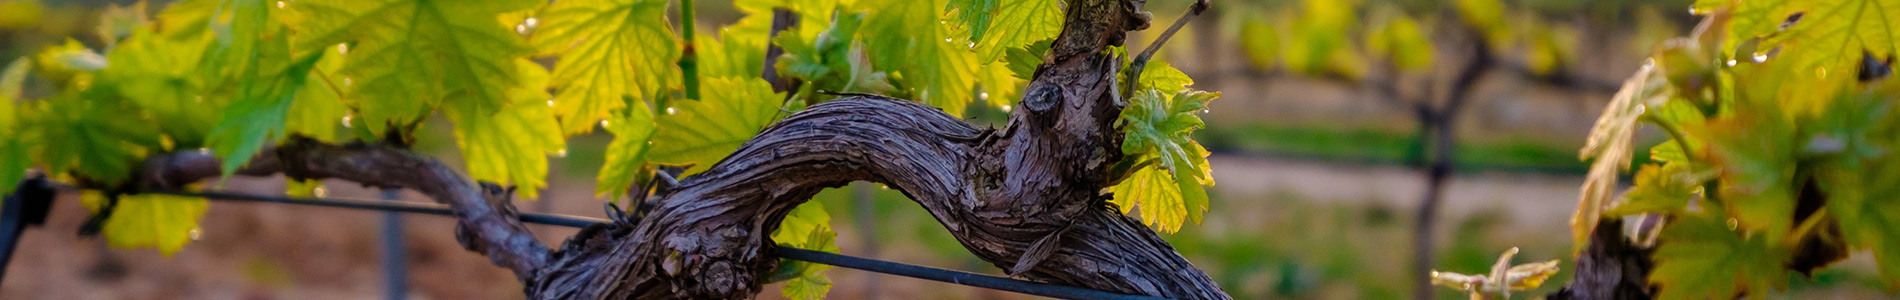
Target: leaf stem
{"points": [[327, 83], [689, 58], [1141, 60], [1674, 134]]}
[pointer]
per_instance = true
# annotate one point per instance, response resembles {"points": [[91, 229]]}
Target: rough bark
{"points": [[998, 192], [489, 224], [1611, 268]]}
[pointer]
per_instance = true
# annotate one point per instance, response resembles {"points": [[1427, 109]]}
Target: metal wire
{"points": [[834, 259]]}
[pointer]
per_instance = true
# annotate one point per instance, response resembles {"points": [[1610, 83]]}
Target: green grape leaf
{"points": [[1699, 257], [1169, 189], [734, 54], [407, 55], [1000, 86], [118, 22], [1668, 151], [70, 64], [239, 30], [14, 159], [510, 147], [806, 227], [700, 133], [163, 222], [975, 14], [905, 36], [831, 60], [303, 188], [1010, 24], [1756, 155], [258, 116], [626, 155], [1832, 35], [1863, 200], [609, 49], [1163, 77], [88, 132], [188, 19], [318, 108], [159, 74], [1661, 189], [1024, 60]]}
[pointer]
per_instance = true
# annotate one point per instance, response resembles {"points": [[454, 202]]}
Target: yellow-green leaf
{"points": [[407, 55], [700, 133], [907, 37], [1168, 189], [318, 109], [89, 133], [510, 147], [806, 227], [1831, 35], [159, 74], [626, 155], [163, 222], [609, 49], [258, 116], [13, 149], [1660, 189], [999, 25]]}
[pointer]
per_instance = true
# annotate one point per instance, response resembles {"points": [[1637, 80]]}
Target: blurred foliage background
{"points": [[1316, 143]]}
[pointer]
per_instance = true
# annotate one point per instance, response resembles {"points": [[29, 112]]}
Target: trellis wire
{"points": [[821, 257]]}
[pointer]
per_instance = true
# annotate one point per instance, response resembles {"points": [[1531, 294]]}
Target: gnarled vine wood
{"points": [[998, 191]]}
